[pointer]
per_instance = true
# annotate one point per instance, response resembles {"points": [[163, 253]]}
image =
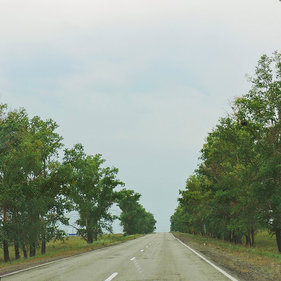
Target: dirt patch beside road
{"points": [[244, 265]]}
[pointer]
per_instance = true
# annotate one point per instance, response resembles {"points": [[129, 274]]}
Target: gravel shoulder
{"points": [[242, 264]]}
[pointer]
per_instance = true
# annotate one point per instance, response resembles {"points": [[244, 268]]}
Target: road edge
{"points": [[45, 263], [206, 260]]}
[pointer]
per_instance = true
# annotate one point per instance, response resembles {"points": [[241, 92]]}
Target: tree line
{"points": [[37, 189], [236, 189]]}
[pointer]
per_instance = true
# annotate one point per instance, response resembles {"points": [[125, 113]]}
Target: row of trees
{"points": [[236, 189], [134, 218], [37, 190]]}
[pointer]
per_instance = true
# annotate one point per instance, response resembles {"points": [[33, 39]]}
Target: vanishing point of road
{"points": [[153, 257]]}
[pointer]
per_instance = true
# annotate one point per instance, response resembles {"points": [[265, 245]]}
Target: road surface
{"points": [[152, 257]]}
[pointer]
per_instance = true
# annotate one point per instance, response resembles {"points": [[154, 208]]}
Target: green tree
{"points": [[52, 203], [134, 218], [237, 187], [230, 166], [180, 220], [92, 191], [127, 202], [219, 198], [31, 195], [13, 132], [260, 111]]}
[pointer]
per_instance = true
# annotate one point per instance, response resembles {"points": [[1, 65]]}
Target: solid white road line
{"points": [[113, 275], [132, 258], [33, 267], [203, 258]]}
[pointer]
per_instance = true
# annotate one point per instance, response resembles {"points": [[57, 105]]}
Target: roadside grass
{"points": [[262, 262], [71, 245], [265, 245]]}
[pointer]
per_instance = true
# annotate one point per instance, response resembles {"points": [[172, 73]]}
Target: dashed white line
{"points": [[203, 258], [113, 275], [142, 250], [138, 267]]}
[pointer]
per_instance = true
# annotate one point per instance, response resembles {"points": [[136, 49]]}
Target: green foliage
{"points": [[37, 190], [68, 246], [91, 187], [30, 198], [134, 218], [236, 189]]}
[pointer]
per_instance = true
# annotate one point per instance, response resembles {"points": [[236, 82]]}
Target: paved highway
{"points": [[152, 257]]}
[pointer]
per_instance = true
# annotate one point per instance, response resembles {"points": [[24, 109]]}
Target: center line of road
{"points": [[113, 275], [138, 267]]}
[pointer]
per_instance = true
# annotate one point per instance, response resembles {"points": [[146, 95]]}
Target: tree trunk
{"points": [[237, 239], [278, 238], [6, 251], [253, 237], [24, 251], [234, 238], [95, 235], [248, 240], [17, 250], [90, 239], [5, 242], [32, 249], [43, 246]]}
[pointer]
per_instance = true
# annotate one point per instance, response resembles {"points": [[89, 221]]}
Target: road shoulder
{"points": [[45, 260], [244, 267]]}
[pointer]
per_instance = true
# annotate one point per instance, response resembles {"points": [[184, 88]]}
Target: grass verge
{"points": [[61, 249], [262, 262]]}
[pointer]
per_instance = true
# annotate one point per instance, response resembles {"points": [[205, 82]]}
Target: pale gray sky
{"points": [[140, 81]]}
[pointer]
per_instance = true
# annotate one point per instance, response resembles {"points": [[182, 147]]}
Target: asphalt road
{"points": [[152, 257]]}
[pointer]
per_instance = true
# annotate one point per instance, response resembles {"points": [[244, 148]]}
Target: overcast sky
{"points": [[140, 81]]}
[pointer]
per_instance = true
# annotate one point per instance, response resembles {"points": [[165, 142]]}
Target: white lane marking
{"points": [[47, 263], [142, 250], [33, 267], [113, 275], [138, 267], [213, 265]]}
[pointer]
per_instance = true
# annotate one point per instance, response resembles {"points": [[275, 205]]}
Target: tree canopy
{"points": [[37, 189], [236, 188], [134, 218]]}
